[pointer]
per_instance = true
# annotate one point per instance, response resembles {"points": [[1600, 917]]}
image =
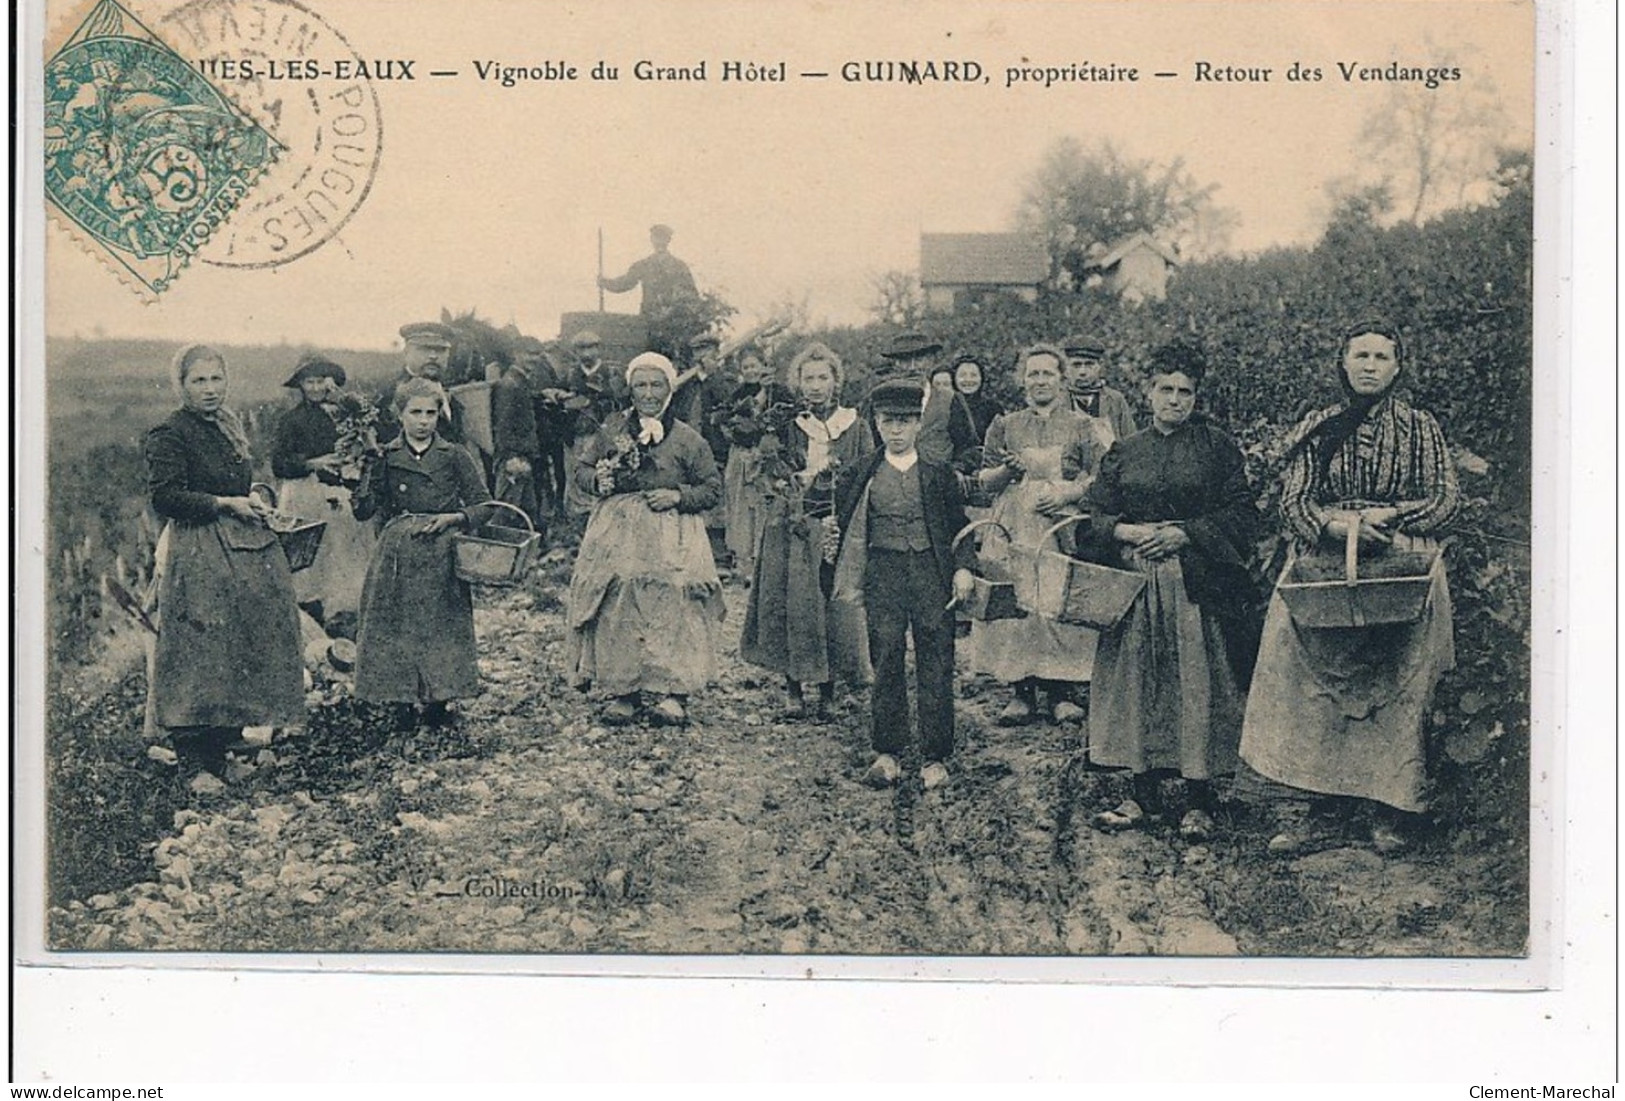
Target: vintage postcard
{"points": [[1037, 490]]}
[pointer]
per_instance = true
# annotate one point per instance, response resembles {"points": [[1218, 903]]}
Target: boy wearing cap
{"points": [[896, 515], [1085, 366], [911, 356]]}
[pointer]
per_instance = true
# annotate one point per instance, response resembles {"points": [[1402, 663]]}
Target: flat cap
{"points": [[431, 334], [529, 345], [586, 338], [315, 365], [1084, 347], [911, 346], [898, 396]]}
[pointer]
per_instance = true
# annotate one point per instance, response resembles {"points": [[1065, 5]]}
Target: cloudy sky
{"points": [[492, 197]]}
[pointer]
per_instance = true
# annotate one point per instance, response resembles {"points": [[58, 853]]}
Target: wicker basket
{"points": [[301, 539], [1067, 590], [497, 555], [993, 595], [302, 542], [1321, 592]]}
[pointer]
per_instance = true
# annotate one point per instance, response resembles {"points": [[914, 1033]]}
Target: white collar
{"points": [[903, 463], [839, 421]]}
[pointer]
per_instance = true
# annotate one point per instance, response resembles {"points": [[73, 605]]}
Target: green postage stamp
{"points": [[145, 160]]}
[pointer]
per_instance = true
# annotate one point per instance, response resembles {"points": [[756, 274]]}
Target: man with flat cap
{"points": [[665, 279], [515, 439], [548, 371], [1085, 381], [912, 356], [668, 286], [704, 391], [896, 515], [426, 354], [596, 390]]}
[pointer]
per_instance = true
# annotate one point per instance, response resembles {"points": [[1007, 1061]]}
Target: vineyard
{"points": [[367, 830]]}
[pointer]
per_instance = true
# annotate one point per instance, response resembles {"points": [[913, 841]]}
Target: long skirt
{"points": [[744, 505], [336, 576], [227, 652], [1342, 711], [1011, 650], [1164, 695], [791, 627], [416, 641], [645, 602]]}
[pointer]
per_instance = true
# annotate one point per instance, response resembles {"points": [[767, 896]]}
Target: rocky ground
{"points": [[533, 828]]}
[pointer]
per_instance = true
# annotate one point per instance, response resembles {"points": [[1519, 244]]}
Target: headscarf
{"points": [[981, 373], [223, 418], [651, 430], [1328, 437]]}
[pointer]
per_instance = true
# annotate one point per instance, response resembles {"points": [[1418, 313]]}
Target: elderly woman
{"points": [[1172, 503], [645, 600], [312, 487], [1341, 711], [227, 653], [791, 625], [1039, 461]]}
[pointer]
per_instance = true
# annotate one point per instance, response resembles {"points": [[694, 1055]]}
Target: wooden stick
{"points": [[600, 269]]}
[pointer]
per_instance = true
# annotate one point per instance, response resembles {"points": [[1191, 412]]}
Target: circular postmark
{"points": [[301, 80]]}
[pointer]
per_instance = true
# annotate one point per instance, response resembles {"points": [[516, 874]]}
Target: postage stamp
{"points": [[145, 159], [294, 70]]}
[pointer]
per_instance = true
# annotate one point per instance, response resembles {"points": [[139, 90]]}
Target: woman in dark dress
{"points": [[227, 653], [791, 625], [972, 414], [744, 423], [416, 643], [1171, 502], [312, 488]]}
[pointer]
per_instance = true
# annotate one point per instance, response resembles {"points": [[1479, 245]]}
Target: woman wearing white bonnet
{"points": [[645, 599]]}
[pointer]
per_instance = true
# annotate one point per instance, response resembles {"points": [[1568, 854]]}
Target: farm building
{"points": [[960, 269], [1134, 268]]}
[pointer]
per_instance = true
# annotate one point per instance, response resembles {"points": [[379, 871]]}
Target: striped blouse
{"points": [[1397, 458]]}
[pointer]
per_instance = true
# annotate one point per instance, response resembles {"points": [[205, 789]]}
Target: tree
{"points": [[897, 298], [1085, 196], [1432, 149]]}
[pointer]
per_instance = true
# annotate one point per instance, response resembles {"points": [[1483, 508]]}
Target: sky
{"points": [[492, 198]]}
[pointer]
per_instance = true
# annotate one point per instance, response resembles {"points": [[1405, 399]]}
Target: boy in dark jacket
{"points": [[896, 516]]}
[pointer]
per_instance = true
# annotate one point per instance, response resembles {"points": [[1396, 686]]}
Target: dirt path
{"points": [[537, 829]]}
